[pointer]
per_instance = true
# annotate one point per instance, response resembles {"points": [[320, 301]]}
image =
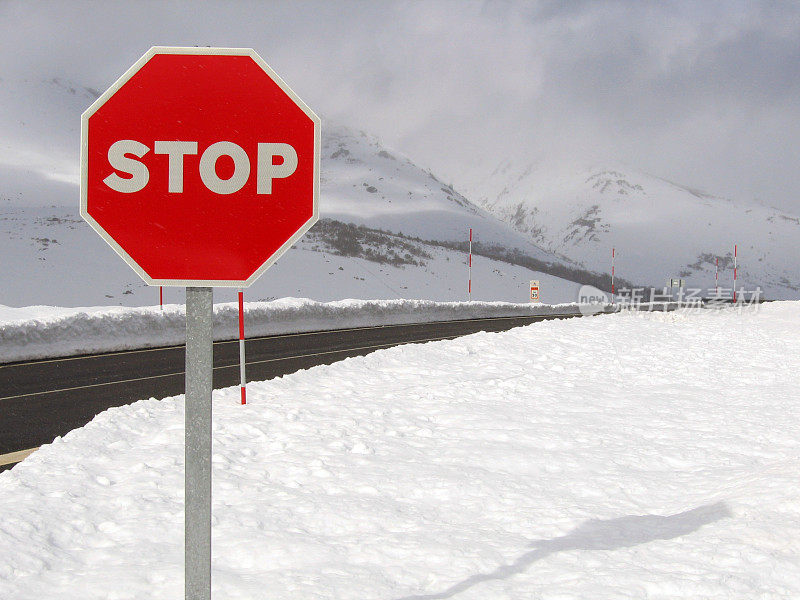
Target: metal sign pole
{"points": [[242, 378], [199, 365], [469, 289]]}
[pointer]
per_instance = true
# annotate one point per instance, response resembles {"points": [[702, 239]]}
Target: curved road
{"points": [[42, 399]]}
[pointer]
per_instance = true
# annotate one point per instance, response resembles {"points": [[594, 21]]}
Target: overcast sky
{"points": [[703, 93]]}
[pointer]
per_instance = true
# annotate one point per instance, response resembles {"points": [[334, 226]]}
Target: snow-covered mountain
{"points": [[365, 183], [388, 229], [659, 229], [51, 257]]}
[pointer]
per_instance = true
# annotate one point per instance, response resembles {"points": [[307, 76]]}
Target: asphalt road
{"points": [[43, 399]]}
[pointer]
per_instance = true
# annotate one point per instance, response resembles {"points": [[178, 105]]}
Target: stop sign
{"points": [[200, 166]]}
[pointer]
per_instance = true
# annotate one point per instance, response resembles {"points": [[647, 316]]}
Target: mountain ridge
{"points": [[660, 229], [388, 229]]}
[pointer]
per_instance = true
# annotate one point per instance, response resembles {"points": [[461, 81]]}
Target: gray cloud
{"points": [[702, 93]]}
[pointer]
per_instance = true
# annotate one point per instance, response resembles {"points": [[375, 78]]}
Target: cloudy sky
{"points": [[700, 92]]}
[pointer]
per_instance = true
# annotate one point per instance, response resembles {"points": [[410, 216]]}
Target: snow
{"points": [[637, 455], [43, 331], [660, 229], [367, 183], [52, 257]]}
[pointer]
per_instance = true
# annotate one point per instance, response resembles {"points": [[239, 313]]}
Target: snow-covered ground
{"points": [[625, 456], [50, 256], [46, 331]]}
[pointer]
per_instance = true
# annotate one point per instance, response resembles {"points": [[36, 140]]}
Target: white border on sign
{"points": [[85, 166]]}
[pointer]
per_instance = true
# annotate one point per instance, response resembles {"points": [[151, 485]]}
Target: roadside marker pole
{"points": [[161, 296], [735, 247], [469, 289], [716, 279], [243, 382], [613, 257]]}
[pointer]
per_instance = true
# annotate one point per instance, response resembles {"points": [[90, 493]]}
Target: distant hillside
{"points": [[389, 230], [660, 229]]}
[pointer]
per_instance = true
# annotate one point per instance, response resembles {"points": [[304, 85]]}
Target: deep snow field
{"points": [[636, 455]]}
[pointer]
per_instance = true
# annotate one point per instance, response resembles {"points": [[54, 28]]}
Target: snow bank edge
{"points": [[69, 332]]}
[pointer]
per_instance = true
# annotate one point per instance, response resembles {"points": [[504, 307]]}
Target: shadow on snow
{"points": [[597, 534]]}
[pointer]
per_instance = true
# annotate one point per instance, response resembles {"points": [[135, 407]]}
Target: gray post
{"points": [[199, 365]]}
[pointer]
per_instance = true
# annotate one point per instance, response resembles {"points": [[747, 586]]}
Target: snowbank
{"points": [[44, 331], [638, 455]]}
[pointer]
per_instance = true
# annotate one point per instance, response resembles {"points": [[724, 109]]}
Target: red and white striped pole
{"points": [[613, 258], [716, 278], [469, 289], [161, 296], [735, 248], [241, 348]]}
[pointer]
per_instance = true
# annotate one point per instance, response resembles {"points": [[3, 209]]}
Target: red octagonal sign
{"points": [[200, 166]]}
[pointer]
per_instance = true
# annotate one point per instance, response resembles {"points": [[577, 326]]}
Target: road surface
{"points": [[43, 399]]}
